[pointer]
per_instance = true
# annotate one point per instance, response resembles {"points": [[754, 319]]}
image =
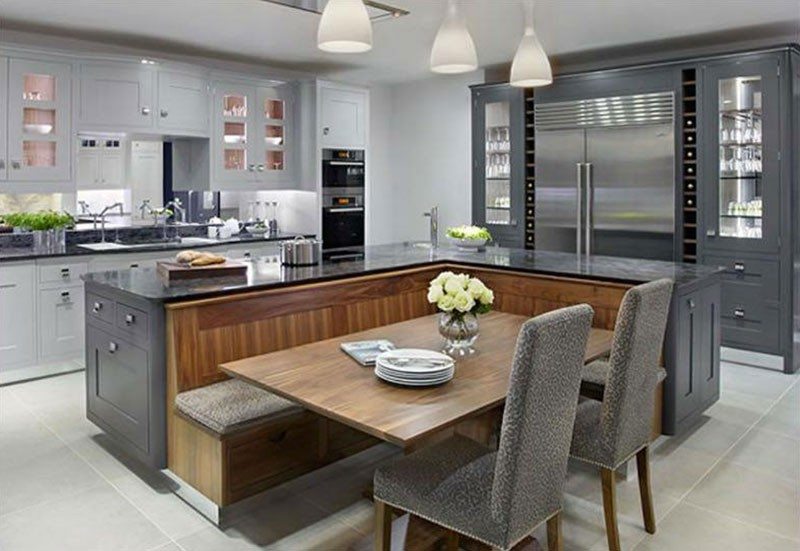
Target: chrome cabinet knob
{"points": [[738, 312], [112, 347], [145, 111], [130, 319], [711, 233], [96, 307], [690, 303], [738, 267], [326, 130], [164, 113], [260, 168]]}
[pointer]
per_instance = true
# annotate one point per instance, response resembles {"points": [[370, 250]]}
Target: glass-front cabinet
{"points": [[498, 159], [252, 133], [38, 137], [743, 145]]}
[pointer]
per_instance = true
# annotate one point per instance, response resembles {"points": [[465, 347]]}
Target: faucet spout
{"points": [[433, 214]]}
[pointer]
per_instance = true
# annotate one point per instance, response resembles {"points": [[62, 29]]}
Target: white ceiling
{"points": [[282, 37]]}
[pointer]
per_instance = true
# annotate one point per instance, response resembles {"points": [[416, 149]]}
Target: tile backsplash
{"points": [[16, 202]]}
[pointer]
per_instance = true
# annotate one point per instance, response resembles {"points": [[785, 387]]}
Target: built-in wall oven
{"points": [[342, 204]]}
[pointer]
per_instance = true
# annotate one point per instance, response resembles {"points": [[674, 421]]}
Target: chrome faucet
{"points": [[177, 207], [85, 210], [434, 229], [145, 209], [102, 216]]}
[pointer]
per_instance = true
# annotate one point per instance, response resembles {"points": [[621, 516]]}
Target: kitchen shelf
{"points": [[497, 208], [499, 179], [742, 177], [743, 216]]}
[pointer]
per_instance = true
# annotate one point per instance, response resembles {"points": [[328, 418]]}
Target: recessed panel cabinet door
{"points": [[3, 113], [116, 96], [17, 315], [116, 385], [343, 118], [38, 121], [183, 103], [61, 322]]}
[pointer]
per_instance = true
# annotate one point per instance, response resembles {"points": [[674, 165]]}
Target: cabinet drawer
{"points": [[132, 322], [66, 273], [288, 445], [746, 320], [763, 274], [100, 308], [61, 324], [117, 385]]}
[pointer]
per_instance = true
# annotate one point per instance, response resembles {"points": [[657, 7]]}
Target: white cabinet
{"points": [[61, 326], [253, 136], [3, 115], [101, 164], [107, 262], [342, 117], [17, 314], [37, 146], [60, 309], [183, 103], [116, 96]]}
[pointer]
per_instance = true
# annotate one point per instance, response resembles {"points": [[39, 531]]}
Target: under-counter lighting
{"points": [[345, 28], [453, 49], [530, 67]]}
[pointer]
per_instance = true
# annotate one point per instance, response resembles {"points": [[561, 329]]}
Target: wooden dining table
{"points": [[325, 380]]}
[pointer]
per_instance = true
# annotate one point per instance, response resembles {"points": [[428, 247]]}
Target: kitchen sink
{"points": [[197, 241], [107, 246]]}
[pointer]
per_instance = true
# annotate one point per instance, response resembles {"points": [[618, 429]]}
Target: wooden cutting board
{"points": [[175, 271]]}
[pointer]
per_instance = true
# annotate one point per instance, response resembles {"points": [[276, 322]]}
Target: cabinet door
{"points": [[61, 322], [117, 385], [3, 114], [116, 96], [183, 103], [87, 173], [112, 170], [274, 135], [498, 150], [343, 117], [38, 121], [708, 379], [233, 131], [687, 328], [742, 170], [17, 315]]}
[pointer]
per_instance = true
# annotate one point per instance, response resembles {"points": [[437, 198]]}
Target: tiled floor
{"points": [[732, 483]]}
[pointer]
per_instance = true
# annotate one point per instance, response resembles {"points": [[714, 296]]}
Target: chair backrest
{"points": [[538, 419], [634, 364]]}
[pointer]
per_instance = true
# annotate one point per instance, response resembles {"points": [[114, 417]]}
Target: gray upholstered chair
{"points": [[498, 497], [611, 431]]}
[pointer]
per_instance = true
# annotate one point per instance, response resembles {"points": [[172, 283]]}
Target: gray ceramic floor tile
{"points": [[97, 519], [53, 391], [689, 528], [752, 496], [54, 474], [711, 436], [740, 408], [784, 417], [676, 469], [772, 452], [754, 381]]}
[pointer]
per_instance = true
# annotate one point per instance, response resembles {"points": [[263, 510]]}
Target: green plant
{"points": [[37, 221], [474, 233]]}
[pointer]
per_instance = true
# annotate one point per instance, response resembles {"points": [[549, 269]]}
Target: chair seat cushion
{"points": [[231, 405], [449, 483]]}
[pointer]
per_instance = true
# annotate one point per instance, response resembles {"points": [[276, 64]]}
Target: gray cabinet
{"points": [[498, 162], [183, 100], [125, 380], [692, 356]]}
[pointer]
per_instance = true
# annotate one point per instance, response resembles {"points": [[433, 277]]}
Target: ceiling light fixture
{"points": [[345, 28], [530, 67], [453, 49]]}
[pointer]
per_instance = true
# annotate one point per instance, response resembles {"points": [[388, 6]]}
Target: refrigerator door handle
{"points": [[579, 210], [589, 203]]}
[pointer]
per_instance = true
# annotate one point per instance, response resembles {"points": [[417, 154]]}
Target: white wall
{"points": [[420, 155]]}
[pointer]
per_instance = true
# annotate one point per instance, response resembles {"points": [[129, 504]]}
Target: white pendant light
{"points": [[345, 27], [530, 67], [453, 49]]}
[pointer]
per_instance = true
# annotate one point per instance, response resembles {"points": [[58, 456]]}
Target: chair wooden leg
{"points": [[610, 508], [383, 526], [452, 541], [554, 540], [643, 471]]}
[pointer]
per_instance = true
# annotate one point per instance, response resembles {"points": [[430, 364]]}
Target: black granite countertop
{"points": [[15, 253], [267, 272]]}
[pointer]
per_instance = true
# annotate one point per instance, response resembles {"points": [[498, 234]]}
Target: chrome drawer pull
{"points": [[690, 303], [739, 313], [65, 296], [96, 307], [112, 347], [129, 319], [738, 266], [65, 272]]}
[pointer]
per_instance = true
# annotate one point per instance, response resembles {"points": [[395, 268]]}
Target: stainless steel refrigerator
{"points": [[605, 176]]}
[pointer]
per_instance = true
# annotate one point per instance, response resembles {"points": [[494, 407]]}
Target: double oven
{"points": [[342, 204]]}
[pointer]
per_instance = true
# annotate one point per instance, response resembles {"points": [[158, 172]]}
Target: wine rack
{"points": [[530, 172], [689, 163]]}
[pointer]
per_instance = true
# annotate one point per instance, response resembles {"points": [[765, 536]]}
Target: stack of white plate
{"points": [[414, 367]]}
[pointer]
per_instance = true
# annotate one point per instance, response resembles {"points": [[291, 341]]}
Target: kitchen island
{"points": [[147, 342]]}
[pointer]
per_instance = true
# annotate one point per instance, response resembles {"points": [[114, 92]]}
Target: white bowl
{"points": [[470, 244]]}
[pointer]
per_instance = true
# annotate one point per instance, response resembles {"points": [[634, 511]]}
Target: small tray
{"points": [[175, 271]]}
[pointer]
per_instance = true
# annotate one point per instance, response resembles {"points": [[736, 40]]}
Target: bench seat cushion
{"points": [[231, 405]]}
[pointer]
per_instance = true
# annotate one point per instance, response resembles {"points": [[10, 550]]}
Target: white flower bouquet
{"points": [[460, 294]]}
